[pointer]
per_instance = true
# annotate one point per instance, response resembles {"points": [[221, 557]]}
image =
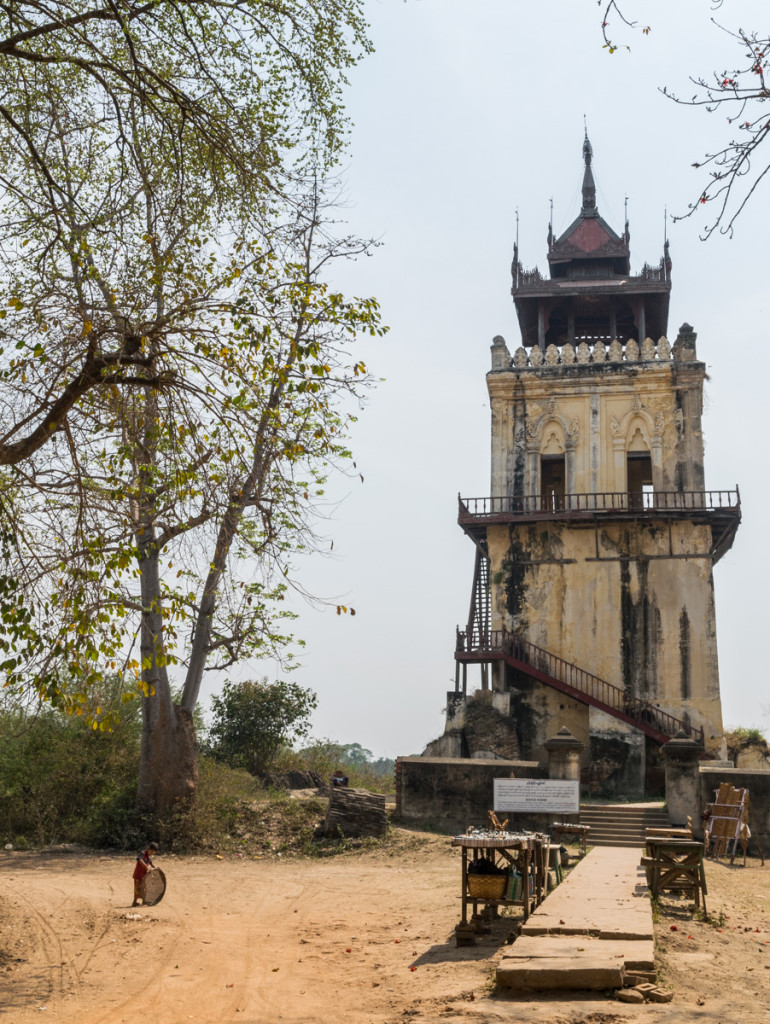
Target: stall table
{"points": [[568, 828], [530, 852], [675, 865]]}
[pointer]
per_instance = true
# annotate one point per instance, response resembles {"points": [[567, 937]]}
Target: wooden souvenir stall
{"points": [[517, 866]]}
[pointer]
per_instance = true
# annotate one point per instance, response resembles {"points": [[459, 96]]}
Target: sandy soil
{"points": [[357, 938]]}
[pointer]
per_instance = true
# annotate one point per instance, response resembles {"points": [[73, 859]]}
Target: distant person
{"points": [[339, 778], [143, 865]]}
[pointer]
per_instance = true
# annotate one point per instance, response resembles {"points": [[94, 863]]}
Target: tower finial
{"points": [[587, 150], [589, 187]]}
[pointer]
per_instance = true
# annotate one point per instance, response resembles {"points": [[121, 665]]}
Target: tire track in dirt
{"points": [[51, 942], [142, 960]]}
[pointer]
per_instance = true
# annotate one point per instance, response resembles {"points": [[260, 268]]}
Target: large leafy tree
{"points": [[206, 110], [173, 375]]}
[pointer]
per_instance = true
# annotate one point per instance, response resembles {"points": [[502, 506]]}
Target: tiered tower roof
{"points": [[591, 294]]}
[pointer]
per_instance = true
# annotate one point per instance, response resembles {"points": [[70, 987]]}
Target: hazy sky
{"points": [[466, 113]]}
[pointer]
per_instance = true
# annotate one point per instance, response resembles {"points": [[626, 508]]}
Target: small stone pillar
{"points": [[682, 758], [564, 751], [501, 357]]}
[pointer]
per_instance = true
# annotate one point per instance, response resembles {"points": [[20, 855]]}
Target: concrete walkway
{"points": [[594, 931]]}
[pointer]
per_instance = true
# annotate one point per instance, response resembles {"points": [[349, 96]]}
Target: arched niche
{"points": [[637, 456], [551, 456]]}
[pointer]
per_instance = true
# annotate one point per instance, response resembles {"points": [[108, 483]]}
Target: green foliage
{"points": [[253, 720], [742, 736], [61, 780], [325, 756], [174, 372]]}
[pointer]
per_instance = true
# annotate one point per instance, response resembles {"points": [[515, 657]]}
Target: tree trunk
{"points": [[168, 773], [168, 769]]}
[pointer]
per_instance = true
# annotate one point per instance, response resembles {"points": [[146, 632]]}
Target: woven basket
{"points": [[487, 887], [153, 887]]}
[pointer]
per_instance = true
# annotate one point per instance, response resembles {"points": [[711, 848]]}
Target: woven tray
{"points": [[487, 887], [153, 887]]}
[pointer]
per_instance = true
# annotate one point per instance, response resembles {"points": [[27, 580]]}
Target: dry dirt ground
{"points": [[362, 937]]}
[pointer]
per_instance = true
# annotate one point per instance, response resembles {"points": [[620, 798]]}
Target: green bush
{"points": [[253, 720], [745, 736], [61, 780]]}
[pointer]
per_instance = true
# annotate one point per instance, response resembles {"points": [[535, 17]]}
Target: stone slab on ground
{"points": [[636, 954], [588, 932], [600, 896], [594, 973]]}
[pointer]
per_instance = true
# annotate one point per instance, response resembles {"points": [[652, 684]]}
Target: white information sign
{"points": [[537, 796]]}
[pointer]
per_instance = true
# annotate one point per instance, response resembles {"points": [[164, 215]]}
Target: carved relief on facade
{"points": [[520, 357], [567, 354], [583, 353], [616, 352], [553, 440], [550, 433], [638, 439], [600, 352], [648, 350], [664, 349], [636, 430], [551, 355]]}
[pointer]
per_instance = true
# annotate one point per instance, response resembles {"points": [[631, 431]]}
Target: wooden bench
{"points": [[670, 833]]}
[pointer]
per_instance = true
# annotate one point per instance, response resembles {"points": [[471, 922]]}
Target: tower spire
{"points": [[589, 186]]}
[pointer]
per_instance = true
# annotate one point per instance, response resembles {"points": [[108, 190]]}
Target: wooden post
{"points": [[541, 325]]}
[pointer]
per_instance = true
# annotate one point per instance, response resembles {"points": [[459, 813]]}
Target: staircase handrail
{"points": [[505, 644]]}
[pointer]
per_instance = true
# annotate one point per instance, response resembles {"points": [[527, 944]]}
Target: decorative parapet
{"points": [[659, 273], [523, 278], [592, 351]]}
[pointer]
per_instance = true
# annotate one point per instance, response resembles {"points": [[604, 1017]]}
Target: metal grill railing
{"points": [[602, 501]]}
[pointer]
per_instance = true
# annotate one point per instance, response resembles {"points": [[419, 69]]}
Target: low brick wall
{"points": [[452, 793], [758, 784]]}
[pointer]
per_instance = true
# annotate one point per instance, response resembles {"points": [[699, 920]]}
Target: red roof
{"points": [[589, 235]]}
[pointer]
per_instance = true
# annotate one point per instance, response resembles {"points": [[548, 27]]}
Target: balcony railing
{"points": [[602, 501]]}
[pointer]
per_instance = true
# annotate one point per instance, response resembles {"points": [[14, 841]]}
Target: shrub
{"points": [[254, 720], [61, 780]]}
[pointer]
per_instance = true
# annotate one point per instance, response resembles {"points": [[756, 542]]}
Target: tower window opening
{"points": [[639, 475], [552, 481]]}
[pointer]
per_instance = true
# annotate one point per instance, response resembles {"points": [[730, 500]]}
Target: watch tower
{"points": [[593, 597]]}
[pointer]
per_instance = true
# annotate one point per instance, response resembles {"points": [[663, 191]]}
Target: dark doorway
{"points": [[552, 481], [639, 473]]}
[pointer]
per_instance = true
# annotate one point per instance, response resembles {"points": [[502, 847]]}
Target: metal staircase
{"points": [[476, 645]]}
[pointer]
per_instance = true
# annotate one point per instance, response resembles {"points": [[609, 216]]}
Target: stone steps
{"points": [[621, 825]]}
